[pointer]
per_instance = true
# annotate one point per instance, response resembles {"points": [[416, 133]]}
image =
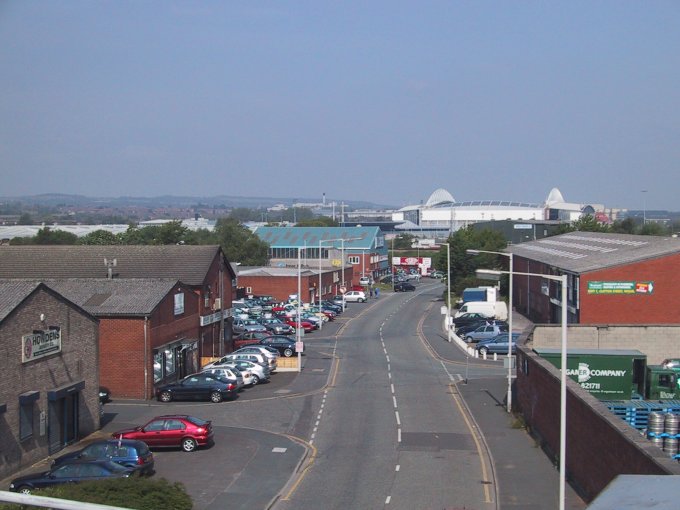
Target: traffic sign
{"points": [[343, 290]]}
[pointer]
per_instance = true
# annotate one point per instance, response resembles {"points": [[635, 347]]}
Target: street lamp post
{"points": [[448, 291], [563, 372], [509, 255]]}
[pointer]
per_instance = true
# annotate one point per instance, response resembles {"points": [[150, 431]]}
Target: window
{"points": [[354, 259], [157, 366], [169, 362], [179, 303], [25, 420]]}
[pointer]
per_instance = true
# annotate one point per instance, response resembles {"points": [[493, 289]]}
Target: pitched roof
{"points": [[104, 297], [581, 252], [298, 237], [179, 262], [12, 293]]}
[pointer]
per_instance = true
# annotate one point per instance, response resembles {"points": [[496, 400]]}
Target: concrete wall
{"points": [[599, 445], [657, 342]]}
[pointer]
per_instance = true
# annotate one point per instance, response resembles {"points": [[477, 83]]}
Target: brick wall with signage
{"points": [[75, 361], [657, 305]]}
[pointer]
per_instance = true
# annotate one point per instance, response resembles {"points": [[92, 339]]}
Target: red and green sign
{"points": [[620, 287]]}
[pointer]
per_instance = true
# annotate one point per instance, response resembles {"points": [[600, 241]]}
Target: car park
{"points": [[355, 296], [485, 332], [199, 386], [171, 431], [284, 345], [71, 471], [498, 344], [127, 452], [404, 287], [332, 306], [307, 326]]}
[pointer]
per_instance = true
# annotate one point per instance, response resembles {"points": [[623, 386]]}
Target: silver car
{"points": [[256, 372], [270, 354], [244, 377]]}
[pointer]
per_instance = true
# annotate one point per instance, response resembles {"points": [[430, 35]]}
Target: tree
{"points": [[47, 236], [25, 219], [318, 221], [652, 228], [404, 241], [100, 237], [626, 226], [240, 244]]}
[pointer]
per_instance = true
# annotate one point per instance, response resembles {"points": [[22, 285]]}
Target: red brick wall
{"points": [[600, 445], [659, 307], [122, 344], [283, 286]]}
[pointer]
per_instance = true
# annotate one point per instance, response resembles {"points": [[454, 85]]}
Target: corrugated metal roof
{"points": [[581, 252], [276, 271], [299, 237], [180, 262]]}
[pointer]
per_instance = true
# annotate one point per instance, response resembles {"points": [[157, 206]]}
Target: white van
{"points": [[496, 309]]}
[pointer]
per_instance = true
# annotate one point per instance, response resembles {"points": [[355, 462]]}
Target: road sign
{"points": [[343, 290], [299, 346]]}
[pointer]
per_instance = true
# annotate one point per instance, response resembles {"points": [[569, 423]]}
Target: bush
{"points": [[135, 493]]}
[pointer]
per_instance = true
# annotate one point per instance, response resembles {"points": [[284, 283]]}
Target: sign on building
{"points": [[40, 344], [620, 287]]}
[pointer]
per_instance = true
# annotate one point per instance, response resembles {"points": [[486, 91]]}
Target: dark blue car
{"points": [[127, 452], [72, 471]]}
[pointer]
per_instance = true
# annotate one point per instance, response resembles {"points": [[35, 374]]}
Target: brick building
{"points": [[612, 278], [170, 323], [281, 282], [49, 375]]}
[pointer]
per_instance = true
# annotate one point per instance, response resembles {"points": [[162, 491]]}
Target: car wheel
{"points": [[24, 489], [189, 444], [362, 300], [468, 339], [483, 351], [256, 380], [165, 396], [288, 352], [216, 397]]}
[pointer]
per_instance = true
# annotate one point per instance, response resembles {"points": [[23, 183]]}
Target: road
{"points": [[390, 429]]}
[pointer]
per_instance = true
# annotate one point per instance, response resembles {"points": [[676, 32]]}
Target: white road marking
{"points": [[396, 414]]}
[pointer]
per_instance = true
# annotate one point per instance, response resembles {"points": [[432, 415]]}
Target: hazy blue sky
{"points": [[377, 100]]}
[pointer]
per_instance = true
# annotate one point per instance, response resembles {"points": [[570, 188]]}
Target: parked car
{"points": [[258, 358], [270, 355], [437, 274], [242, 325], [469, 317], [463, 330], [197, 387], [284, 345], [307, 326], [249, 337], [172, 430], [229, 372], [104, 395], [365, 281], [71, 471], [498, 344], [338, 300], [127, 452], [332, 306], [403, 287], [484, 333], [258, 372], [276, 326], [355, 296]]}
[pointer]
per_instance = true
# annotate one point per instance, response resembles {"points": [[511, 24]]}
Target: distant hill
{"points": [[59, 199]]}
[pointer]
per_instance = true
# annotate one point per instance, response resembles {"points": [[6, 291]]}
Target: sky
{"points": [[383, 101]]}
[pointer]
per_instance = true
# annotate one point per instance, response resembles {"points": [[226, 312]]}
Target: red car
{"points": [[187, 432], [292, 321]]}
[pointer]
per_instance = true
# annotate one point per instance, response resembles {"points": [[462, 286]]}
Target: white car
{"points": [[355, 296], [228, 372], [365, 280]]}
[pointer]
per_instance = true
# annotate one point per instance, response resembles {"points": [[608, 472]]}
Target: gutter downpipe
{"points": [[146, 357]]}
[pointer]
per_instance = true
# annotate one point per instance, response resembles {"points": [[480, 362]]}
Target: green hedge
{"points": [[135, 493]]}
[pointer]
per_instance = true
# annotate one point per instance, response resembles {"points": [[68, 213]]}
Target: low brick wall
{"points": [[658, 342], [600, 445]]}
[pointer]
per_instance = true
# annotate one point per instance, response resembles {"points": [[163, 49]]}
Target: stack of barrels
{"points": [[662, 430]]}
